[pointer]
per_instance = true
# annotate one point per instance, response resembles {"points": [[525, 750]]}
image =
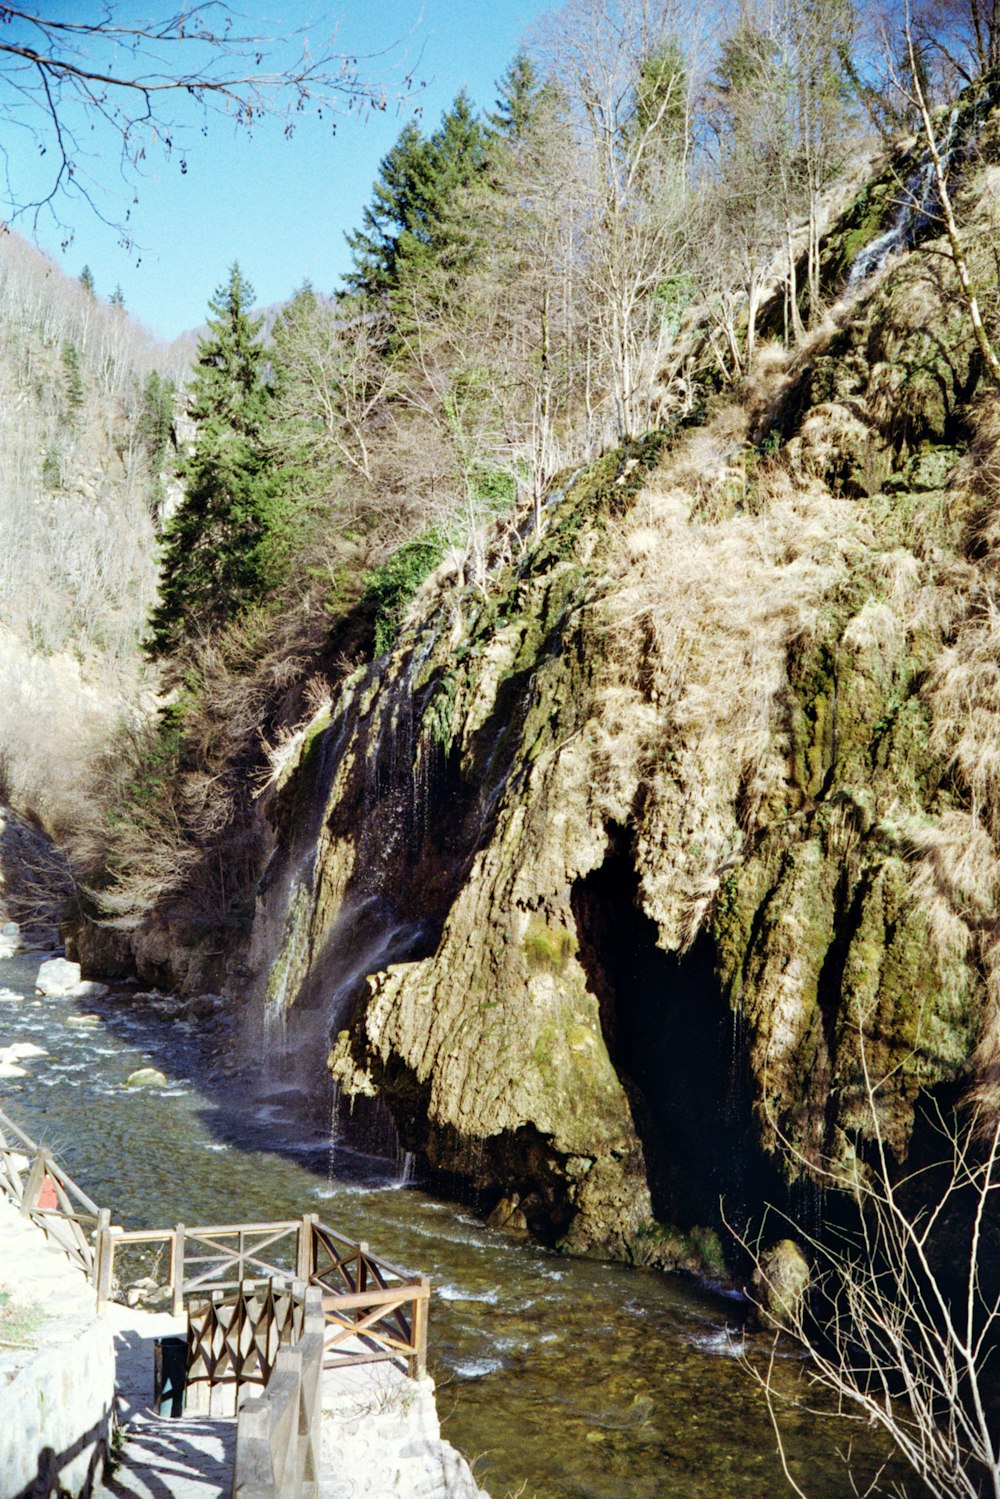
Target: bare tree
{"points": [[152, 83], [626, 68], [903, 1314]]}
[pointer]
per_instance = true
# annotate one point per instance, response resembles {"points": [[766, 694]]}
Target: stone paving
{"points": [[163, 1457]]}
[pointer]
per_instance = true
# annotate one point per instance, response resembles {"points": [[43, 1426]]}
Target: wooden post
{"points": [[361, 1282], [104, 1251], [177, 1270], [304, 1259], [36, 1178], [421, 1315]]}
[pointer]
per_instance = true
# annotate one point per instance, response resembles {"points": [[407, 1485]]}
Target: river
{"points": [[558, 1378]]}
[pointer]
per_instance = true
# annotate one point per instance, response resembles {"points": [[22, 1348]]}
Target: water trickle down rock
{"points": [[919, 207]]}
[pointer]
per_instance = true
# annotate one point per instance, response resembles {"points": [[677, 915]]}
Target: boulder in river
{"points": [[146, 1077], [57, 978], [10, 939], [780, 1283]]}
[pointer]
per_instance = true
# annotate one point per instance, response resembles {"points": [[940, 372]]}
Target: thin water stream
{"points": [[562, 1379]]}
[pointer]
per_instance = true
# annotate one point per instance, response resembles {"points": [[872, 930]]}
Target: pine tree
{"points": [[410, 225], [521, 92], [87, 281], [227, 546]]}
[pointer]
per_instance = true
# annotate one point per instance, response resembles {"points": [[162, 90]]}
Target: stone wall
{"points": [[57, 1369]]}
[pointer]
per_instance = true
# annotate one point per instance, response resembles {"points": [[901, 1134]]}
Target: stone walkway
{"points": [[187, 1457]]}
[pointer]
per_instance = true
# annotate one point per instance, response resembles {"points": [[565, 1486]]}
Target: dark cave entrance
{"points": [[679, 1053]]}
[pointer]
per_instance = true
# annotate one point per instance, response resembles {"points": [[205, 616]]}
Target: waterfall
{"points": [[919, 207]]}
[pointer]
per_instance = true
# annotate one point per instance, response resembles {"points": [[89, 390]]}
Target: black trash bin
{"points": [[169, 1373]]}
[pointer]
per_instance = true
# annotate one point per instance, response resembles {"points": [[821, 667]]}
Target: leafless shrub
{"points": [[903, 1315]]}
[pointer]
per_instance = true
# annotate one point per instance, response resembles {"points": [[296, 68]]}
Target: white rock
{"points": [[146, 1077], [19, 1050], [82, 1020], [57, 978], [88, 989], [8, 945], [11, 1069]]}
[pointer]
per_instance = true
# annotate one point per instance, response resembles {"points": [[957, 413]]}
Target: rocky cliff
{"points": [[640, 870]]}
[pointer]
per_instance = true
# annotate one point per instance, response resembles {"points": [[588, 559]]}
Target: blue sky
{"points": [[280, 207]]}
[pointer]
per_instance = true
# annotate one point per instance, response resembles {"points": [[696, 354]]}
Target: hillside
{"points": [[85, 415], [662, 831]]}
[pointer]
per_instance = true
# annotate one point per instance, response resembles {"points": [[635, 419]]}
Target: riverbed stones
{"points": [[508, 1216], [58, 978]]}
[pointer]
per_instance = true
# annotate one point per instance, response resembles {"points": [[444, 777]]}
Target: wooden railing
{"points": [[49, 1196], [371, 1309], [277, 1433], [217, 1257], [233, 1342], [369, 1302]]}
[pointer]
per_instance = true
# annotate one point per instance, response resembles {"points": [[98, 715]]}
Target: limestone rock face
{"points": [[657, 862], [646, 847]]}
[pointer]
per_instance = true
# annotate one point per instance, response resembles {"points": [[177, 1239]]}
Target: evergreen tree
{"points": [[521, 91], [228, 543], [117, 299], [87, 280], [410, 226]]}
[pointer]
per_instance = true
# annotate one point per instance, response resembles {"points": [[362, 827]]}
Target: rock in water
{"points": [[10, 939], [780, 1283], [57, 978], [146, 1077]]}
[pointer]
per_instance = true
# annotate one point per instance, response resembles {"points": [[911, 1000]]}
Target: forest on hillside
{"points": [[630, 230]]}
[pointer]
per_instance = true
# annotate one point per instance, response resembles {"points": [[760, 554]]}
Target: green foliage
{"points": [[155, 418], [520, 93], [661, 107], [391, 586], [229, 543], [73, 379], [51, 471], [410, 225], [546, 947], [87, 280]]}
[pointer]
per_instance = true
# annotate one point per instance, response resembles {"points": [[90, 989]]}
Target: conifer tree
{"points": [[520, 93], [227, 545], [410, 225]]}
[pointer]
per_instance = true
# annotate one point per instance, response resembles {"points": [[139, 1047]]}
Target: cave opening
{"points": [[679, 1052]]}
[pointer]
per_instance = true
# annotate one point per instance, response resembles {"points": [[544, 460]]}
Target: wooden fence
{"points": [[277, 1433], [372, 1310], [49, 1196], [233, 1342]]}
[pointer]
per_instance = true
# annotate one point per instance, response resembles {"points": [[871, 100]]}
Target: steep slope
{"points": [[684, 826], [84, 426]]}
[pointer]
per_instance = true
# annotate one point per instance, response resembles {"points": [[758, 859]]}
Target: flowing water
{"points": [[920, 206], [562, 1379]]}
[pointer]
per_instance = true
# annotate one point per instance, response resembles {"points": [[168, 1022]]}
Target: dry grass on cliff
{"points": [[698, 621]]}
